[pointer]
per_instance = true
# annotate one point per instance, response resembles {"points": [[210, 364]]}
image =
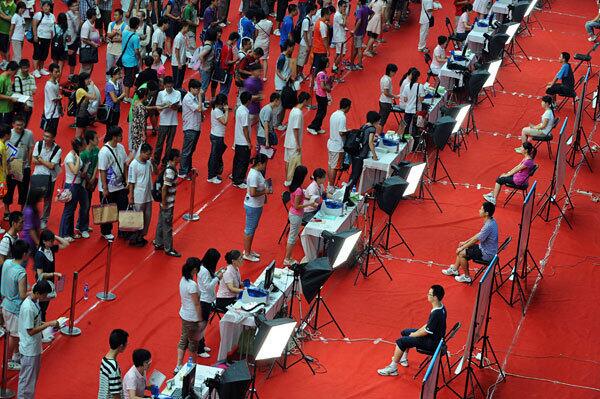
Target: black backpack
{"points": [[72, 104], [297, 32], [353, 142], [289, 97], [157, 187]]}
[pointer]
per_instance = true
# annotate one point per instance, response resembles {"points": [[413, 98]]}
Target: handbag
{"points": [[49, 124], [131, 220], [66, 195], [104, 114], [88, 55], [119, 62], [15, 169], [289, 97], [105, 213]]}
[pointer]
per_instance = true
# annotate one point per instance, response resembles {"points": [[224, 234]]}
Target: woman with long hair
{"points": [[218, 125], [518, 176], [59, 50], [137, 127], [231, 282], [114, 95], [83, 96], [322, 87], [208, 279], [404, 81], [297, 204], [45, 269], [189, 311], [256, 197], [73, 183]]}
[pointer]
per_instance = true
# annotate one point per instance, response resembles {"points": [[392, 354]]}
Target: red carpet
{"points": [[549, 352]]}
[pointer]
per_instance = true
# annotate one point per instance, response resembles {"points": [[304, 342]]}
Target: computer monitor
{"points": [[187, 387], [346, 200], [268, 282]]}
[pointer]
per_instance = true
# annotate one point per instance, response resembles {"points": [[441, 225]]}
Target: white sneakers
{"points": [[391, 370], [204, 355], [489, 197], [276, 32], [36, 74], [250, 257], [451, 271], [312, 131], [463, 279], [215, 180], [592, 38], [85, 234], [108, 237], [242, 186], [44, 72]]}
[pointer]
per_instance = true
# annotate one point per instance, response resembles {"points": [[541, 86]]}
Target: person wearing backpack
{"points": [[366, 145], [22, 140], [58, 51], [24, 83], [15, 221], [163, 240], [46, 158], [306, 38], [335, 144]]}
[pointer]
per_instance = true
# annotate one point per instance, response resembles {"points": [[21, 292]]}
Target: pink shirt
{"points": [[320, 83], [293, 210], [134, 380], [232, 276]]}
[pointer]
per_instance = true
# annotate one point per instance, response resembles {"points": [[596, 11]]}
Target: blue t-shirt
{"points": [[129, 58], [565, 74], [488, 239], [285, 29], [12, 273], [246, 28]]}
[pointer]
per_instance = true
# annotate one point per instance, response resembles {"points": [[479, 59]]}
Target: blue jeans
{"points": [[252, 219], [215, 160], [67, 220], [591, 25], [190, 140], [83, 222]]}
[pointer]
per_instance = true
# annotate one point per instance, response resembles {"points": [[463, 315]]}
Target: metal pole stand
{"points": [[191, 216], [71, 330], [106, 295], [5, 393]]}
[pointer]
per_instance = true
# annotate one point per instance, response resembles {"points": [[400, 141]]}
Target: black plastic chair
{"points": [[485, 263], [547, 138], [522, 188], [428, 60], [572, 96], [286, 197], [444, 352], [456, 42], [216, 312]]}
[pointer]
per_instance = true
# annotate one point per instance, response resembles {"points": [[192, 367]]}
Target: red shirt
{"points": [[226, 56]]}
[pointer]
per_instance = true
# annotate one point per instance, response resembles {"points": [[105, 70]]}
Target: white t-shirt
{"points": [[216, 127], [158, 38], [548, 114], [242, 120], [295, 121], [29, 317], [312, 192], [207, 285], [385, 83], [438, 52], [179, 43], [107, 162], [45, 27], [168, 116], [263, 30], [339, 31], [188, 309], [89, 31], [306, 27], [51, 93], [45, 154], [191, 117], [257, 180], [140, 174], [410, 94], [19, 22], [426, 8], [71, 158], [464, 19], [337, 124]]}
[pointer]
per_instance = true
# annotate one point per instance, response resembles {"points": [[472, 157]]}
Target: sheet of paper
{"points": [[203, 373], [62, 321], [157, 378], [22, 98]]}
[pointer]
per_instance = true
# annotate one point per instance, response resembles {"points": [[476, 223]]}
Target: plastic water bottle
{"points": [[190, 363], [86, 291]]}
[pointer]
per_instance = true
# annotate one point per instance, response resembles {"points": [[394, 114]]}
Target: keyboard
{"points": [[177, 394]]}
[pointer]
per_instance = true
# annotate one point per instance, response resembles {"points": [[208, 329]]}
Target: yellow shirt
{"points": [[79, 94], [3, 161]]}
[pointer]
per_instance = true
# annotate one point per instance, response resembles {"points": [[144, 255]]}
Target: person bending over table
{"points": [[425, 338], [231, 284], [481, 247], [566, 87], [544, 127], [463, 28], [519, 175], [593, 24]]}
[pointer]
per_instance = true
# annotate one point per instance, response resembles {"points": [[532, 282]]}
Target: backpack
{"points": [[157, 187], [297, 31], [353, 142]]}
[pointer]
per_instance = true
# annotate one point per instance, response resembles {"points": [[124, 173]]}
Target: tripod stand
{"points": [[370, 250], [284, 365], [438, 161], [386, 231], [550, 199], [313, 323], [577, 147], [518, 280]]}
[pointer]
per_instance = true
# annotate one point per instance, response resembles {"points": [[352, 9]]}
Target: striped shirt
{"points": [[170, 178], [25, 85], [110, 379]]}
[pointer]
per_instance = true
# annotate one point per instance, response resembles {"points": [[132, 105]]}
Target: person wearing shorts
{"points": [[306, 38], [482, 247], [43, 30], [254, 201], [335, 143], [189, 313]]}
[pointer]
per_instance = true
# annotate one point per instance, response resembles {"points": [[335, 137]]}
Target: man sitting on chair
{"points": [[425, 338], [567, 81], [481, 247]]}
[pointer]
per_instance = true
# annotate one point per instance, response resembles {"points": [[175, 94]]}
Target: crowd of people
{"points": [[139, 40]]}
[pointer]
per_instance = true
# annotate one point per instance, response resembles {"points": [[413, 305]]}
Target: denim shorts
{"points": [[252, 218]]}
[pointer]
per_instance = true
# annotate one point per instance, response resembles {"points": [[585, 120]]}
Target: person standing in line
{"points": [[254, 85], [31, 219], [17, 32], [22, 140], [294, 132], [189, 312], [179, 59], [7, 102], [191, 115], [284, 75], [89, 176], [42, 27], [73, 32], [242, 142], [362, 14], [209, 19], [13, 289], [306, 34], [267, 121], [168, 101], [338, 38], [114, 95], [8, 9], [164, 230], [90, 39], [15, 222], [73, 183], [113, 174], [25, 84], [131, 56], [263, 35], [286, 31], [321, 39], [46, 158], [229, 58], [218, 124], [425, 21], [114, 35], [208, 279], [135, 383], [111, 383], [30, 339], [256, 197], [159, 36], [387, 97], [322, 90], [190, 15], [52, 101], [106, 8], [140, 191], [374, 26], [335, 144]]}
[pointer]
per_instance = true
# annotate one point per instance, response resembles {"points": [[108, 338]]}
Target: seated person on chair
{"points": [[481, 247], [567, 81], [593, 24], [369, 131], [463, 28], [315, 193], [439, 55], [544, 127], [425, 338], [517, 176], [231, 284]]}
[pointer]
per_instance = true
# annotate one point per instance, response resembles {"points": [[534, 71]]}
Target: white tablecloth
{"points": [[232, 323], [376, 171], [447, 76], [202, 373], [435, 105], [311, 235]]}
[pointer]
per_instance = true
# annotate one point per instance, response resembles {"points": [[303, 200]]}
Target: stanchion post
{"points": [[106, 295], [5, 393], [70, 329], [191, 216]]}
